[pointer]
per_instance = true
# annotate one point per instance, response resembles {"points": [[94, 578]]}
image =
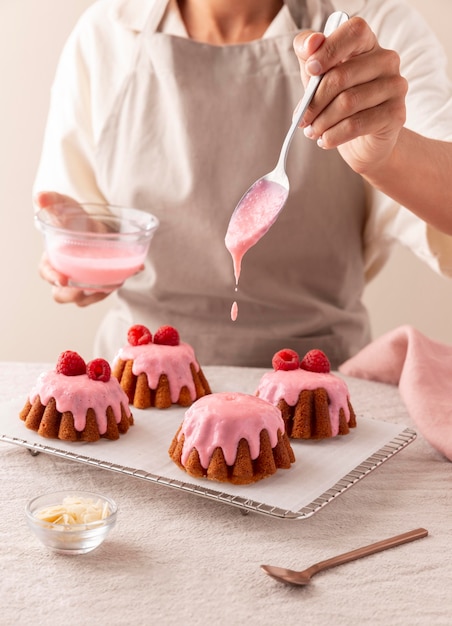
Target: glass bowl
{"points": [[55, 520], [97, 246]]}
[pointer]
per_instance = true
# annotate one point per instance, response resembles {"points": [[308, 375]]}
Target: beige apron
{"points": [[193, 126]]}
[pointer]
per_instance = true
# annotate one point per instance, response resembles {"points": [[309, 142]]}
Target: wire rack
{"points": [[398, 443]]}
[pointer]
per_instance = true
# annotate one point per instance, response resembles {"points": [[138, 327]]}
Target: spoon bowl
{"points": [[293, 577]]}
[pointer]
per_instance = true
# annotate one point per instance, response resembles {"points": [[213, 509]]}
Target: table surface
{"points": [[176, 558]]}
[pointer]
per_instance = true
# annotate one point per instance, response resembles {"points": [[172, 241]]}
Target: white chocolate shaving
{"points": [[74, 510]]}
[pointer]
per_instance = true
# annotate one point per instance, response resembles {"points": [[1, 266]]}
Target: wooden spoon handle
{"points": [[418, 533]]}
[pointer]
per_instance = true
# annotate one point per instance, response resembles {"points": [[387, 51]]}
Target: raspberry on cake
{"points": [[286, 360], [139, 335], [315, 361], [314, 403], [77, 402], [159, 371], [232, 437]]}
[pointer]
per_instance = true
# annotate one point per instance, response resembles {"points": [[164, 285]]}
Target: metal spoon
{"points": [[302, 578], [259, 207]]}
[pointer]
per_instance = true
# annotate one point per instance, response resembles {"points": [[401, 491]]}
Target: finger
{"points": [[64, 294], [352, 38], [49, 273], [352, 127], [79, 297], [305, 44], [385, 93], [92, 298], [45, 199]]}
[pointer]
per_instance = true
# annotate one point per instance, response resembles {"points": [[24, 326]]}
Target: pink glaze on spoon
{"points": [[252, 218]]}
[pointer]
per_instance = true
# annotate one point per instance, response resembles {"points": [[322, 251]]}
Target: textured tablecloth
{"points": [[176, 558]]}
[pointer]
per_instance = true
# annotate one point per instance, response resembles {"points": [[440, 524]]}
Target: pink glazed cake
{"points": [[77, 402], [314, 403], [159, 371], [232, 437]]}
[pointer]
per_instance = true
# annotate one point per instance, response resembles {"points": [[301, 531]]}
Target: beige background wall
{"points": [[32, 326]]}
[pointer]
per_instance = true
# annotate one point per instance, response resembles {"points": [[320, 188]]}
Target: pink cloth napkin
{"points": [[422, 369]]}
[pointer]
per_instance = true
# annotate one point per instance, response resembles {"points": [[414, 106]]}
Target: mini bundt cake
{"points": [[232, 437], [159, 371], [314, 403], [77, 402]]}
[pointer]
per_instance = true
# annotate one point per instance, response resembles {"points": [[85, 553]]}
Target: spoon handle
{"points": [[333, 22], [379, 546]]}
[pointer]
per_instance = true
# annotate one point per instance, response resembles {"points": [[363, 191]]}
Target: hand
{"points": [[61, 292], [359, 107]]}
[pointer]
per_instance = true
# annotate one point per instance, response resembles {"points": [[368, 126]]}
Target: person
{"points": [[178, 107]]}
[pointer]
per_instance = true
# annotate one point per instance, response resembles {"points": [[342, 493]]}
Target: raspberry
{"points": [[285, 359], [99, 369], [167, 336], [139, 335], [70, 363], [315, 361]]}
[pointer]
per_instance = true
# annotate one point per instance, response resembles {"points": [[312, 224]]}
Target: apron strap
{"points": [[298, 11], [310, 14], [155, 15]]}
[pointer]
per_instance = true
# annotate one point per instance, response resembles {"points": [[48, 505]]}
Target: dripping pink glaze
{"points": [[220, 420], [156, 359], [234, 311], [79, 393], [287, 384], [253, 217]]}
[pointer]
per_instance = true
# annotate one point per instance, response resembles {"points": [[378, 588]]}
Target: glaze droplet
{"points": [[234, 311]]}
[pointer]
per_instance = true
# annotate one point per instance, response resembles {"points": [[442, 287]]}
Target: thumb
{"points": [[305, 44], [44, 199]]}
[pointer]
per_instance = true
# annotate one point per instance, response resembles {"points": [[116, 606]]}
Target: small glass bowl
{"points": [[71, 538], [97, 246]]}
